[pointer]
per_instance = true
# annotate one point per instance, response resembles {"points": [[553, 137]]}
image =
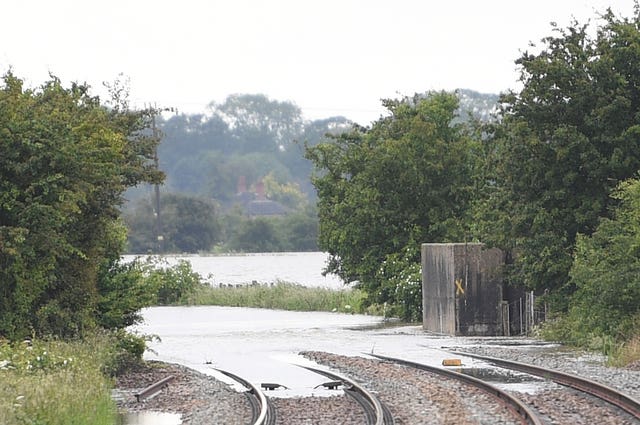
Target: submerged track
{"points": [[601, 391], [376, 412], [262, 411], [516, 406]]}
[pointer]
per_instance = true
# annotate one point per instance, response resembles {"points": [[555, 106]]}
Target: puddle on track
{"points": [[499, 376], [149, 418]]}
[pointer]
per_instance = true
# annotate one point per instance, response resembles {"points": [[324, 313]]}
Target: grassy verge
{"points": [[627, 353], [282, 296], [56, 383]]}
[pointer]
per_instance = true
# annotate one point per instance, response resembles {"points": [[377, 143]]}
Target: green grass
{"points": [[281, 296], [56, 383], [626, 353]]}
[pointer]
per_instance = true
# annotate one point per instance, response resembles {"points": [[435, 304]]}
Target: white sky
{"points": [[330, 57]]}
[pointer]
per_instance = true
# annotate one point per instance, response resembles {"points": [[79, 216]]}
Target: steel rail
{"points": [[519, 408], [596, 389], [263, 412], [376, 412], [153, 389]]}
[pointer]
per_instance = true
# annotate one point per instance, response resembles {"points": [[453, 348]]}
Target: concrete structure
{"points": [[462, 290]]}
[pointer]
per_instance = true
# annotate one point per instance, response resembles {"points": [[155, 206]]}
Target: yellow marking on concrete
{"points": [[459, 288]]}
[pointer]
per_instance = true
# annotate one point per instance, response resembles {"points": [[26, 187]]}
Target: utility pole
{"points": [[156, 135], [158, 219]]}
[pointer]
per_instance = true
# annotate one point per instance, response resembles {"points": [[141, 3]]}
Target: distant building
{"points": [[256, 204]]}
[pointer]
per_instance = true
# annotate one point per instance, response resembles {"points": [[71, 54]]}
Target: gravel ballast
{"points": [[202, 399]]}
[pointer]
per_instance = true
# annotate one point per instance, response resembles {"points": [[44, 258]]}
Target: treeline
{"points": [[552, 180], [216, 163], [66, 160], [218, 166]]}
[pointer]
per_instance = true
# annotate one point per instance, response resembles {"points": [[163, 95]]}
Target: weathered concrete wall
{"points": [[438, 295], [462, 289]]}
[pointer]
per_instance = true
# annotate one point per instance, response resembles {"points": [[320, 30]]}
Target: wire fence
{"points": [[523, 314]]}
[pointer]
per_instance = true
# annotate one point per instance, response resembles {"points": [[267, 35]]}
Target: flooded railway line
{"points": [[265, 412], [418, 394], [266, 346], [574, 399], [380, 390]]}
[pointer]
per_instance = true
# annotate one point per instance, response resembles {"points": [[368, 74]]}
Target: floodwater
{"points": [[263, 346], [303, 268], [150, 418]]}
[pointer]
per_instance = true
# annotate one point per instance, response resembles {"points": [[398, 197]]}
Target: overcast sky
{"points": [[330, 57]]}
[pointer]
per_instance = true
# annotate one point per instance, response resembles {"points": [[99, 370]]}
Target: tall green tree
{"points": [[386, 189], [565, 142], [259, 124], [189, 224], [606, 274], [256, 235], [65, 161]]}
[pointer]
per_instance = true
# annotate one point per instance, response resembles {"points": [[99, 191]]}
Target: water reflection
{"points": [[263, 345], [150, 418], [499, 375]]}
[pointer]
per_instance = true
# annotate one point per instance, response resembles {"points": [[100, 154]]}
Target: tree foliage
{"points": [[248, 136], [188, 225], [566, 140], [65, 161], [384, 190], [606, 273]]}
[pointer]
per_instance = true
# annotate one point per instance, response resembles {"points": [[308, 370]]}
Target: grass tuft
{"points": [[627, 354], [281, 296]]}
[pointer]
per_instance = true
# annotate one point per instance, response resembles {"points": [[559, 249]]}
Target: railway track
{"points": [[375, 411], [262, 411], [382, 390], [544, 400], [519, 409], [545, 410], [595, 389]]}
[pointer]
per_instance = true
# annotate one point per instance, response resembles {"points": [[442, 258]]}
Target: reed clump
{"points": [[627, 354], [279, 295]]}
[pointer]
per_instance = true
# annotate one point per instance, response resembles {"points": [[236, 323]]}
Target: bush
{"points": [[123, 291], [171, 284], [126, 351], [400, 291], [56, 383], [605, 306]]}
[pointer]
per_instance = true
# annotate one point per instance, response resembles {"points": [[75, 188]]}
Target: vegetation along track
{"points": [[603, 392]]}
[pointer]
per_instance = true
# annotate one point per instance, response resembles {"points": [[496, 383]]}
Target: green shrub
{"points": [[170, 284], [604, 309], [56, 383], [126, 351], [399, 293]]}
